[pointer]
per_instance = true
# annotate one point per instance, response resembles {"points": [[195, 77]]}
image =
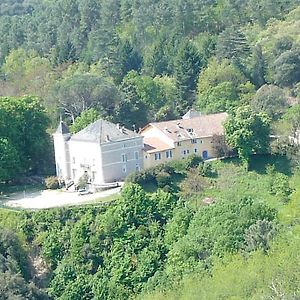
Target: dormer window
{"points": [[190, 130]]}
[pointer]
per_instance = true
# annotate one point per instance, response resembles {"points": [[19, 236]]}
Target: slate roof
{"points": [[62, 128], [191, 114], [103, 131], [197, 127]]}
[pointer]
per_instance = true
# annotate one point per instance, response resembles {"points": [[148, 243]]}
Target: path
{"points": [[49, 199]]}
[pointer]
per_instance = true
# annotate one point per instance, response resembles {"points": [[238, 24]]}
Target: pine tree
{"points": [[128, 59], [187, 68], [232, 44], [259, 67]]}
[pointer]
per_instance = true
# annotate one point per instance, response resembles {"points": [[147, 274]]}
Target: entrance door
{"points": [[205, 154]]}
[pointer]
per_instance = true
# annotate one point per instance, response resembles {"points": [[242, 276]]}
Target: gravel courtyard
{"points": [[49, 199]]}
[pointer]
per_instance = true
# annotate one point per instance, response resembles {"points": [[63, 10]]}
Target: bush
{"points": [[52, 183], [163, 179], [206, 170], [83, 181], [281, 187], [193, 161], [141, 177]]}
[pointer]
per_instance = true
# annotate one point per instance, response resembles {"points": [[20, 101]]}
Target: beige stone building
{"points": [[177, 139]]}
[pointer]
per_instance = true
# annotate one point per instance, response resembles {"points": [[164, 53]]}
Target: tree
{"points": [[23, 123], [131, 110], [187, 67], [193, 184], [82, 92], [86, 117], [9, 160], [287, 68], [219, 146], [220, 87], [271, 100], [232, 44], [258, 67], [248, 132], [128, 59]]}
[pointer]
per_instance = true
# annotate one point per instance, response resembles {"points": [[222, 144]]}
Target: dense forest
{"points": [[133, 62], [187, 230]]}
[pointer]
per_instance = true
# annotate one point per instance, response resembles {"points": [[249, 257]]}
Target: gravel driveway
{"points": [[49, 199]]}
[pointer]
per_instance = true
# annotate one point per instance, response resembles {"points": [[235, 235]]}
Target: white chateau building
{"points": [[106, 152]]}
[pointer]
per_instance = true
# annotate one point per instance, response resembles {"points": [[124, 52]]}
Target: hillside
{"points": [[227, 229], [148, 243]]}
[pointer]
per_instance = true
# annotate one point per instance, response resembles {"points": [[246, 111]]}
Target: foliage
{"points": [[193, 184], [248, 132], [259, 235], [271, 100], [220, 86], [23, 135], [86, 118], [52, 183]]}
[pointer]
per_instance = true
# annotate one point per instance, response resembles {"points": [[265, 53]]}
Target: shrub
{"points": [[52, 183], [83, 181], [193, 161], [280, 187], [163, 179], [142, 177], [206, 170]]}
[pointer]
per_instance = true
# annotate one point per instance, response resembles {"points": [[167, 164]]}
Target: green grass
{"points": [[233, 181]]}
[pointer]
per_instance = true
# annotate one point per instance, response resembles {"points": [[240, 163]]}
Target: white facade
{"points": [[104, 151]]}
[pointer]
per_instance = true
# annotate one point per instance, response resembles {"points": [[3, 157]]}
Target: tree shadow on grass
{"points": [[259, 163]]}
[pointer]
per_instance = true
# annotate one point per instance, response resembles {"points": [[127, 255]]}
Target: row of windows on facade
{"points": [[169, 154], [193, 141], [124, 158]]}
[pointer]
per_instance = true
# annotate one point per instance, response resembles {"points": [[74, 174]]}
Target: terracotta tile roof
{"points": [[153, 144], [197, 127]]}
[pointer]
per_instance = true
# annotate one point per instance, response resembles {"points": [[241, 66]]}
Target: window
{"points": [[137, 167], [73, 160], [124, 169], [94, 175], [124, 157], [190, 130], [184, 152], [194, 141], [136, 155], [187, 151], [169, 154], [195, 150], [178, 144], [157, 156]]}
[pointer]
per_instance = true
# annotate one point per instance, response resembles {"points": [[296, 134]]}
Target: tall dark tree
{"points": [[233, 45], [128, 59], [187, 68], [259, 67], [131, 110]]}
